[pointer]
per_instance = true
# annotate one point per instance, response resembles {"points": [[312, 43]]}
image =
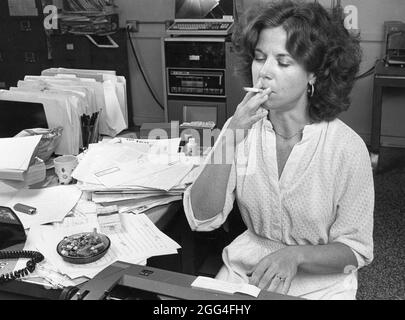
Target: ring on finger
{"points": [[280, 278]]}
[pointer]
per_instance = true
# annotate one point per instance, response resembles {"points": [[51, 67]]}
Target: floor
{"points": [[384, 278]]}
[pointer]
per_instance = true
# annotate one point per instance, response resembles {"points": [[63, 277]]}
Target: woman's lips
{"points": [[271, 92]]}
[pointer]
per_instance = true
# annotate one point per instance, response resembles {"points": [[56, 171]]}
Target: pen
{"points": [[257, 90]]}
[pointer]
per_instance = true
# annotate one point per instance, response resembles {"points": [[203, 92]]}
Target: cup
{"points": [[64, 166]]}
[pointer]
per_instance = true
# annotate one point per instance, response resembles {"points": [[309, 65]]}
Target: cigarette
{"points": [[257, 90]]}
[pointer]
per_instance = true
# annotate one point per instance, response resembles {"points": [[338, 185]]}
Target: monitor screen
{"points": [[204, 9], [16, 116]]}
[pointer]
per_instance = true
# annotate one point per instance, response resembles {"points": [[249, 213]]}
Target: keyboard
{"points": [[206, 27]]}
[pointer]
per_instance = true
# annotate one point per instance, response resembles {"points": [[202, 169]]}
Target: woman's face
{"points": [[274, 67]]}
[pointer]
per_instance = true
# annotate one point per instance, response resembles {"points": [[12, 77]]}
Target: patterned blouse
{"points": [[324, 195]]}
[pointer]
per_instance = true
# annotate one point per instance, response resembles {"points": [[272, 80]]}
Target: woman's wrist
{"points": [[298, 253]]}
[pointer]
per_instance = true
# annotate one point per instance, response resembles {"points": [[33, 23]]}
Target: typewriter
{"points": [[124, 281]]}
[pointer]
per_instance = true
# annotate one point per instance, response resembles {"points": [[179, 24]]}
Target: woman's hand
{"points": [[248, 113], [276, 271]]}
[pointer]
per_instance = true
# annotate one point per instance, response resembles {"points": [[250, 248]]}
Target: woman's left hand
{"points": [[276, 271]]}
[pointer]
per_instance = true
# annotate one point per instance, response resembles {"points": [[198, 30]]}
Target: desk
{"points": [[161, 216], [18, 290], [385, 76]]}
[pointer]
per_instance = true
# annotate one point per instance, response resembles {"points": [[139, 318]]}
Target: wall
{"points": [[372, 14], [152, 15]]}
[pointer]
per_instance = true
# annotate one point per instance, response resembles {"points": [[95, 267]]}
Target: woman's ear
{"points": [[311, 78]]}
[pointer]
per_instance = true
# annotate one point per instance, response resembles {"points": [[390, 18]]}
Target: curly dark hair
{"points": [[317, 39]]}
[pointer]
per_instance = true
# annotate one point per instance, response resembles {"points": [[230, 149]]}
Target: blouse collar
{"points": [[310, 130]]}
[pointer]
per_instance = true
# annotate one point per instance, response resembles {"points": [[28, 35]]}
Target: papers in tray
{"points": [[67, 94]]}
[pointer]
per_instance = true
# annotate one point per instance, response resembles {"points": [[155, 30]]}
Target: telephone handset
{"points": [[12, 233]]}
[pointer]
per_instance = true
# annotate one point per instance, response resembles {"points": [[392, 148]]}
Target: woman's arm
{"points": [[208, 192], [276, 271], [325, 259]]}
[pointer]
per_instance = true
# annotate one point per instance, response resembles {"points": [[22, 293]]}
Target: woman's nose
{"points": [[266, 71]]}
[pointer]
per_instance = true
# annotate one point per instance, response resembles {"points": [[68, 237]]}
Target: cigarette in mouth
{"points": [[257, 90]]}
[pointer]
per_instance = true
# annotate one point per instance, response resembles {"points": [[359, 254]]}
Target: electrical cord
{"points": [[35, 257], [142, 71], [365, 74], [368, 72]]}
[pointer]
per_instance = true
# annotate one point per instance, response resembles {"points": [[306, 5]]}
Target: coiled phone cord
{"points": [[35, 257]]}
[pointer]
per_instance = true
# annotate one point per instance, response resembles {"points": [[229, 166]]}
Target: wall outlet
{"points": [[133, 25]]}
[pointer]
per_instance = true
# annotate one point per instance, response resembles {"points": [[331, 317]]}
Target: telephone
{"points": [[11, 229], [12, 233]]}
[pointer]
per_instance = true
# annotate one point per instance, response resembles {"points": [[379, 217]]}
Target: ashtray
{"points": [[82, 248]]}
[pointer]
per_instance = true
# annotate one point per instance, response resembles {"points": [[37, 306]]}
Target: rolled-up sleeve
{"points": [[220, 217], [353, 225], [216, 221]]}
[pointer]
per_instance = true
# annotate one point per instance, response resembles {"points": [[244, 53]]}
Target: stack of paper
{"points": [[18, 155], [135, 175], [67, 94]]}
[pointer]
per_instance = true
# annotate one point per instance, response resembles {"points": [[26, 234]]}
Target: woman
{"points": [[302, 179]]}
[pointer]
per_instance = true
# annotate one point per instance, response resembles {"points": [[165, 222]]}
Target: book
{"points": [[17, 155]]}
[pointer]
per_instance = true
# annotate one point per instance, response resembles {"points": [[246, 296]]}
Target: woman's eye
{"points": [[283, 64], [259, 58]]}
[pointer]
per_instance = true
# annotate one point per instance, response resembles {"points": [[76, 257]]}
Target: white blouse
{"points": [[324, 195]]}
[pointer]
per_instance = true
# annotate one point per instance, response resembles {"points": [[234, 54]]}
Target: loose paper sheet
{"points": [[227, 287], [52, 204]]}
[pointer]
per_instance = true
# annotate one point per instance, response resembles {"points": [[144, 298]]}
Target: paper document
{"points": [[224, 286], [141, 240], [146, 204], [118, 197], [18, 151], [127, 173], [126, 164], [165, 179], [151, 146], [113, 163], [52, 204]]}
